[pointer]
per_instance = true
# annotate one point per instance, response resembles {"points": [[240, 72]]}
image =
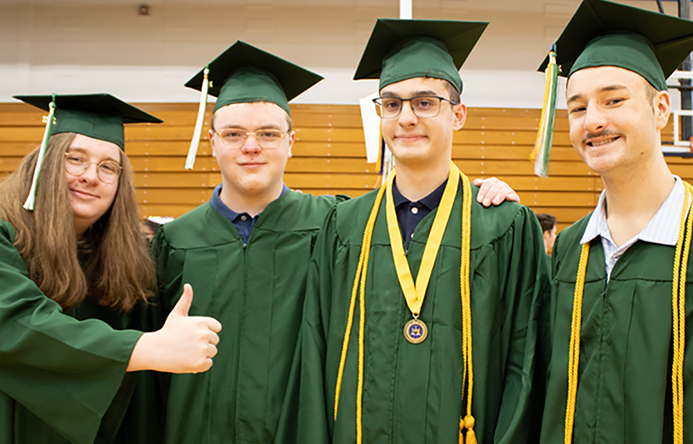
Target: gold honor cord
{"points": [[465, 294], [359, 287], [678, 302], [416, 331], [360, 270]]}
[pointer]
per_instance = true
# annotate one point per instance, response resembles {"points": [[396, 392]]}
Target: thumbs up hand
{"points": [[185, 344]]}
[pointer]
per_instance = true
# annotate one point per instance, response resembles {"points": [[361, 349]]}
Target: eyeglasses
{"points": [[268, 139], [421, 106], [77, 164]]}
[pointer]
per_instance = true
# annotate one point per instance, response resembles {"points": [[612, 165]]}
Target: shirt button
{"points": [[244, 217], [414, 210], [411, 235]]}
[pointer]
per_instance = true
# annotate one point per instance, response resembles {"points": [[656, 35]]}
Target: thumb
{"points": [[183, 305]]}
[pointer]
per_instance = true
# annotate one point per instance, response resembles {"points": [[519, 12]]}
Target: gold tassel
{"points": [[469, 425], [461, 439]]}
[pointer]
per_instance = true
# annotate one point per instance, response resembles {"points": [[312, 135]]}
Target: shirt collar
{"points": [[662, 229], [431, 201], [227, 212]]}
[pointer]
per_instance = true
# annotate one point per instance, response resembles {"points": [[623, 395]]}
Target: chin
{"points": [[600, 166], [254, 187]]}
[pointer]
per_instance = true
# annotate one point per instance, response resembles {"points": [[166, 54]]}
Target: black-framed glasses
{"points": [[77, 164], [268, 138], [421, 106]]}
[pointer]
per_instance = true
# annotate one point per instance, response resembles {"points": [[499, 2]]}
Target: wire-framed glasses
{"points": [[77, 164], [268, 138], [421, 106]]}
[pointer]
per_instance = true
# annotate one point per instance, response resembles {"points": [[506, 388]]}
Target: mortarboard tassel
{"points": [[381, 168], [31, 198], [192, 152], [542, 147]]}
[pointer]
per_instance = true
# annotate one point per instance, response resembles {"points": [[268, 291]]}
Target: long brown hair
{"points": [[110, 263]]}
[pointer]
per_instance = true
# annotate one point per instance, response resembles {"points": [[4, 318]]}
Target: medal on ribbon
{"points": [[415, 331]]}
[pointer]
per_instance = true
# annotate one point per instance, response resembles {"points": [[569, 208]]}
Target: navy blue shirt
{"points": [[409, 213], [243, 222]]}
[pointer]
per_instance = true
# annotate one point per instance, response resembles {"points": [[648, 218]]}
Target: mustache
{"points": [[605, 133]]}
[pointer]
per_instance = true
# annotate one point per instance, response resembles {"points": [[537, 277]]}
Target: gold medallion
{"points": [[415, 331]]}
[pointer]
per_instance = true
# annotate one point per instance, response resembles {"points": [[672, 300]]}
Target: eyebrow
{"points": [[84, 151], [236, 126], [426, 92], [603, 89]]}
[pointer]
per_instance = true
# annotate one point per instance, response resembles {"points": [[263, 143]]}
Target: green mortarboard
{"points": [[603, 33], [100, 116], [401, 49], [246, 74]]}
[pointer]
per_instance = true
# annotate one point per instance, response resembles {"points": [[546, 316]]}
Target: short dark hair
{"points": [[547, 221], [452, 92], [650, 94], [150, 224]]}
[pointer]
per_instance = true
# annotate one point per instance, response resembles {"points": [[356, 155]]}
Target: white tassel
{"points": [[31, 198], [192, 152]]}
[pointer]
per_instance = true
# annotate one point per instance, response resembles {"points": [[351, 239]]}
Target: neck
{"points": [[418, 182], [633, 197], [251, 203], [80, 227]]}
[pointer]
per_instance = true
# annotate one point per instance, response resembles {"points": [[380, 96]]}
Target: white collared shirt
{"points": [[662, 229]]}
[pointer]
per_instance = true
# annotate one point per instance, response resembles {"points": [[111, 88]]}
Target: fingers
{"points": [[211, 351], [205, 355], [486, 190], [205, 365], [206, 333], [183, 305], [512, 197], [213, 324], [494, 191]]}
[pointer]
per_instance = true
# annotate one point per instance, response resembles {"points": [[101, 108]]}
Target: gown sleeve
{"points": [[304, 416], [527, 280], [65, 371]]}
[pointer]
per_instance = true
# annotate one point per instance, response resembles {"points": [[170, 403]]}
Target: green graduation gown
{"points": [[59, 376], [413, 393], [256, 290], [624, 374]]}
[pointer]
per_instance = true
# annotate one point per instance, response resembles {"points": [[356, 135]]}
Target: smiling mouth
{"points": [[603, 142], [410, 137], [83, 194]]}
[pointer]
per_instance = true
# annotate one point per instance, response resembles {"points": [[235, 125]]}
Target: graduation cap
{"points": [[246, 74], [99, 116], [401, 49], [603, 33]]}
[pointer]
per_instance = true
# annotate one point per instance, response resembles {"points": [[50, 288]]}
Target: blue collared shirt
{"points": [[662, 229], [243, 222], [409, 213]]}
